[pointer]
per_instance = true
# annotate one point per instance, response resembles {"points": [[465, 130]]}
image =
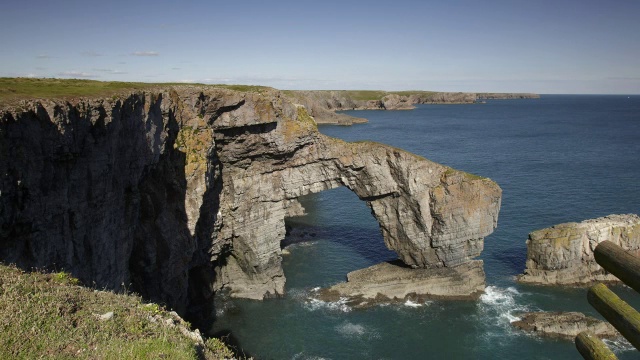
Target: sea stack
{"points": [[563, 254]]}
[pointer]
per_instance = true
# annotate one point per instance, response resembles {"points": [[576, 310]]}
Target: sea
{"points": [[559, 158]]}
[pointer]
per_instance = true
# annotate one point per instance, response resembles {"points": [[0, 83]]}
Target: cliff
{"points": [[323, 104], [179, 192], [563, 254]]}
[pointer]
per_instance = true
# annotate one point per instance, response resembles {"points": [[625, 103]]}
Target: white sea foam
{"points": [[497, 308], [303, 356], [410, 303], [350, 329], [619, 345], [315, 304], [499, 297]]}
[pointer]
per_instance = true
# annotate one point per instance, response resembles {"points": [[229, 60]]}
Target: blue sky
{"points": [[576, 46]]}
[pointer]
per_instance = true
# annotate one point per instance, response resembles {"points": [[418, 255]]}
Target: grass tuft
{"points": [[49, 316]]}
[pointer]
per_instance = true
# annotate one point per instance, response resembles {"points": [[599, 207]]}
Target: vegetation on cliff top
{"points": [[12, 89], [49, 316]]}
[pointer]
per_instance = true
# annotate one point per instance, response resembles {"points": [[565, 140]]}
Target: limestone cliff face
{"points": [[322, 105], [184, 191], [563, 254]]}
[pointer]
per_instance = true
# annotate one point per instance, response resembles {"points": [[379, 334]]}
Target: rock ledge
{"points": [[565, 325]]}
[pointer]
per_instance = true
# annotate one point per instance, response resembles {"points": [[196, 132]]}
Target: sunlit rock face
{"points": [[563, 254], [183, 191]]}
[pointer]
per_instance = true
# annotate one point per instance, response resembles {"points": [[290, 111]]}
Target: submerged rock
{"points": [[565, 325], [563, 254]]}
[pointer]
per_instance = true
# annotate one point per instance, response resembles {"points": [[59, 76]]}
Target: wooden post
{"points": [[620, 314], [592, 348], [620, 263]]}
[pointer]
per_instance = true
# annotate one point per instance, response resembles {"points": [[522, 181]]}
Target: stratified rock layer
{"points": [[563, 254], [183, 191], [565, 325], [388, 281]]}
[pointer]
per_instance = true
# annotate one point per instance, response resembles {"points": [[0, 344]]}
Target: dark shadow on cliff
{"points": [[102, 200]]}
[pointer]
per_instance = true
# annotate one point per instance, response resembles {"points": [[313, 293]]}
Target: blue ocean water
{"points": [[559, 158]]}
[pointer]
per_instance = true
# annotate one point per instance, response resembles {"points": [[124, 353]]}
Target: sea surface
{"points": [[559, 158]]}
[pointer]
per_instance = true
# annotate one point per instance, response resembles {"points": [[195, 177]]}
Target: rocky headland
{"points": [[563, 254], [179, 192], [323, 104], [564, 325]]}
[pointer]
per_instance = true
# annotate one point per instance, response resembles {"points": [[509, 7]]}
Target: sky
{"points": [[548, 47]]}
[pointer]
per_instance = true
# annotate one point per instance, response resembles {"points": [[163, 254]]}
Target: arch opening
{"points": [[336, 235]]}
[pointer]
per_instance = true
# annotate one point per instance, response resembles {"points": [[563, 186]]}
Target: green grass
{"points": [[12, 89], [50, 316]]}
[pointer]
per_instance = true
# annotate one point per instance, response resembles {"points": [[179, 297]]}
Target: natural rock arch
{"points": [[431, 215], [183, 191]]}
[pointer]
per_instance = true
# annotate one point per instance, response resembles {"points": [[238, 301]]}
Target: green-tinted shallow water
{"points": [[557, 159]]}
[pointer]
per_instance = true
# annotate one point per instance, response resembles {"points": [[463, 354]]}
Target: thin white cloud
{"points": [[90, 53], [43, 56], [77, 74], [145, 53], [110, 71]]}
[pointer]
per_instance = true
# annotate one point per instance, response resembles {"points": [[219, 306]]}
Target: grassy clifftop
{"points": [[13, 89], [50, 316]]}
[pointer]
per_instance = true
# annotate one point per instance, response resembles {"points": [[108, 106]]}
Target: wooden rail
{"points": [[621, 315], [620, 263], [591, 347]]}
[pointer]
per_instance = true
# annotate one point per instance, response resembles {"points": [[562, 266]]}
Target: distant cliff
{"points": [[323, 104], [181, 191], [563, 254]]}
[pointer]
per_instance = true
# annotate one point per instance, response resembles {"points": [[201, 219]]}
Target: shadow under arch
{"points": [[337, 235]]}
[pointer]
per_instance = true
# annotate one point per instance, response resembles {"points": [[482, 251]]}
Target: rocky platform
{"points": [[386, 282], [564, 325], [563, 254]]}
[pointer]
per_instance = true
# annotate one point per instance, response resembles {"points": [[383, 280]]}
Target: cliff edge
{"points": [[178, 192], [323, 104]]}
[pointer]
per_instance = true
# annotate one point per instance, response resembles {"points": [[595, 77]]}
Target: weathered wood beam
{"points": [[620, 263], [592, 348], [620, 314]]}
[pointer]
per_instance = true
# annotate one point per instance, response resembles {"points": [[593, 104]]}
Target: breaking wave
{"points": [[315, 304]]}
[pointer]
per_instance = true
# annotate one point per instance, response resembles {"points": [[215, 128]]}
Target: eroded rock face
{"points": [[181, 192], [564, 325], [563, 254], [431, 215]]}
